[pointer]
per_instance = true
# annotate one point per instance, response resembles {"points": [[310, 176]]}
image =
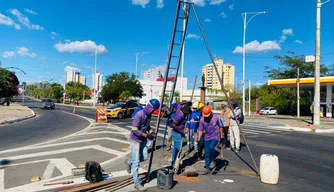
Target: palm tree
{"points": [[177, 96]]}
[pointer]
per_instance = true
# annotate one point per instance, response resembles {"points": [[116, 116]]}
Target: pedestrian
{"points": [[171, 115], [234, 129], [312, 111], [192, 126], [225, 122], [141, 131], [179, 131], [200, 144], [211, 126]]}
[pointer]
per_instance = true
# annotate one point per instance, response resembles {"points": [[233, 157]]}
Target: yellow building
{"points": [[226, 72]]}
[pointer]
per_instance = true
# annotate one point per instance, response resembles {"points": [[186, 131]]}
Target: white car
{"points": [[268, 111]]}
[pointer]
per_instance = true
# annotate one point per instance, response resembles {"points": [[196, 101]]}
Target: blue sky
{"points": [[43, 37]]}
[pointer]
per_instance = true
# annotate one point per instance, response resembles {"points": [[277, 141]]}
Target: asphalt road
{"points": [[48, 124]]}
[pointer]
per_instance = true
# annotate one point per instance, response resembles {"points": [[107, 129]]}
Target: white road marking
{"points": [[97, 147], [64, 143], [2, 180], [49, 171], [255, 131], [101, 132], [266, 127]]}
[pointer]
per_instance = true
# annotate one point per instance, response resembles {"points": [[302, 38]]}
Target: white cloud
{"points": [[223, 14], [285, 34], [23, 51], [198, 2], [299, 41], [30, 11], [4, 20], [256, 47], [54, 35], [192, 36], [207, 20], [142, 3], [217, 2], [231, 7], [160, 4], [71, 68], [67, 41], [8, 54], [24, 20], [85, 47]]}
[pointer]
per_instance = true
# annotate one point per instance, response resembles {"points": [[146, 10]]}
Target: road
{"points": [[48, 124]]}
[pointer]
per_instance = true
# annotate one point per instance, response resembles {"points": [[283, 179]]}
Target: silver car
{"points": [[47, 103]]}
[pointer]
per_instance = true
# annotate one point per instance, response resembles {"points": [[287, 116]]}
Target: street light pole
{"points": [[138, 56], [249, 98], [244, 16], [94, 94], [316, 113], [182, 56], [298, 97]]}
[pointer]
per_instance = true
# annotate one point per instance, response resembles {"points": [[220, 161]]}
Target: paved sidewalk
{"points": [[14, 112]]}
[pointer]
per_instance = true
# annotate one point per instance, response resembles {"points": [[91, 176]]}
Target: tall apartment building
{"points": [[154, 73], [82, 80], [226, 72], [97, 81], [74, 76]]}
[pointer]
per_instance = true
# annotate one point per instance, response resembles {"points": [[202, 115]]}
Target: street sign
{"points": [[309, 58]]}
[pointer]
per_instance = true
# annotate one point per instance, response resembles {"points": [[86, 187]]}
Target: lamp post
{"points": [[138, 56], [246, 22], [94, 94]]}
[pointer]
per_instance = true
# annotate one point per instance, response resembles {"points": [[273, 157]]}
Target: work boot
{"points": [[228, 148], [213, 165], [236, 150], [207, 171], [128, 167], [139, 187]]}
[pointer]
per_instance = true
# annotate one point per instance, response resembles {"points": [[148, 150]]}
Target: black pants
{"points": [[312, 117], [225, 130]]}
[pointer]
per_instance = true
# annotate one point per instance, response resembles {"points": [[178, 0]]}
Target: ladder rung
{"points": [[172, 68], [177, 43], [180, 31], [181, 17], [175, 56]]}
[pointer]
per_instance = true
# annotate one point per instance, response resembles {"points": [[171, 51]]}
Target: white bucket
{"points": [[269, 169]]}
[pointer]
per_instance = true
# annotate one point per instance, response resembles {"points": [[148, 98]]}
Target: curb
{"points": [[300, 129], [19, 119]]}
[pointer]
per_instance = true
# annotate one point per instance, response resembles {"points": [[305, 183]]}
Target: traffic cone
{"points": [[74, 111]]}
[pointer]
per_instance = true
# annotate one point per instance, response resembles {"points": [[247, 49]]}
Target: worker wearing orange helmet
{"points": [[211, 126]]}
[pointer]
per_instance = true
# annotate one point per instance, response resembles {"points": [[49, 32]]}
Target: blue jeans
{"points": [[210, 152], [138, 154], [192, 139], [177, 139]]}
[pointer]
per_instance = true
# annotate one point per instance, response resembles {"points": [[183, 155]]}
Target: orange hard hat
{"points": [[206, 111]]}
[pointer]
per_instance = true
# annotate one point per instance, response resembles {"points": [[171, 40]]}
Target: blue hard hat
{"points": [[155, 103], [174, 105]]}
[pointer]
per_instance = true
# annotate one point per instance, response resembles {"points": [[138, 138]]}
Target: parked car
{"points": [[121, 109], [47, 103], [268, 111]]}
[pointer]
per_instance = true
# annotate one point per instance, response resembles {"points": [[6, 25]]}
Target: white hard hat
{"points": [[195, 104]]}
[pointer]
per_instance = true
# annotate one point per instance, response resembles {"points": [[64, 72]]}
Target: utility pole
{"points": [[316, 113], [138, 56], [182, 56], [249, 97], [94, 94], [298, 97]]}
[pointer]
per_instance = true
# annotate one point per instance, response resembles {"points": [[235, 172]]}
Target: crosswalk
{"points": [[248, 129]]}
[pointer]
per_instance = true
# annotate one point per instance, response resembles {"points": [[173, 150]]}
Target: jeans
{"points": [[210, 152], [177, 139], [192, 139], [138, 154], [169, 136], [234, 136]]}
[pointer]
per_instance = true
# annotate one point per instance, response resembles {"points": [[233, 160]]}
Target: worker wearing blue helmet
{"points": [[141, 131]]}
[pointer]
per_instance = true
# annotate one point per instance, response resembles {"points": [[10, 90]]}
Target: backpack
{"points": [[93, 172], [242, 117], [139, 108]]}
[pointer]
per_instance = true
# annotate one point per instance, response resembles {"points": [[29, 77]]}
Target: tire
{"points": [[267, 113], [120, 115]]}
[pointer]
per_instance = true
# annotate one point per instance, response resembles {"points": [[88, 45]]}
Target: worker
{"points": [[192, 126], [234, 129], [178, 132], [225, 122], [312, 111], [211, 126], [200, 144], [171, 115], [141, 131]]}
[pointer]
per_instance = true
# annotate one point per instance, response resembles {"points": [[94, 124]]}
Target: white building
{"points": [[82, 80], [74, 76], [97, 81], [154, 73]]}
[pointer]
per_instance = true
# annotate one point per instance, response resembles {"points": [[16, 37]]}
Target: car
{"points": [[122, 109], [47, 103], [156, 112], [268, 111]]}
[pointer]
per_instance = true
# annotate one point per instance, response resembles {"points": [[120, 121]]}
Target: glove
{"points": [[199, 145], [183, 135], [223, 141], [150, 136]]}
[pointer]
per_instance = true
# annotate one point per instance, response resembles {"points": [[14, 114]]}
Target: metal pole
{"points": [[192, 94], [136, 65], [23, 97], [94, 94], [224, 90], [244, 64], [249, 98], [182, 60], [298, 97]]}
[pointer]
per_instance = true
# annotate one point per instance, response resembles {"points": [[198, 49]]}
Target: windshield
{"points": [[266, 108], [117, 105], [47, 100]]}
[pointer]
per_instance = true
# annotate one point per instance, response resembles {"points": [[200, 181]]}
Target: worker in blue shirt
{"points": [[192, 126]]}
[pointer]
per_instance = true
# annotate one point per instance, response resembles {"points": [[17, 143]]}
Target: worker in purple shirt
{"points": [[141, 131], [211, 126], [178, 132]]}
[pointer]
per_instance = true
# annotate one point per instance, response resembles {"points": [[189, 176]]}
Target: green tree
{"points": [[56, 91], [76, 91], [8, 83], [125, 95], [118, 83]]}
